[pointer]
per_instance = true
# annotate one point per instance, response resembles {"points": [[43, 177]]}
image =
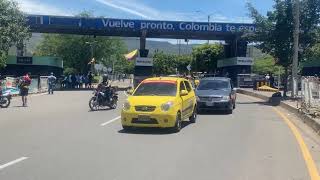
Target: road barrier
{"points": [[38, 85], [260, 83], [310, 91]]}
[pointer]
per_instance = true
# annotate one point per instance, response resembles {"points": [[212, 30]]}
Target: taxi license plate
{"points": [[143, 118]]}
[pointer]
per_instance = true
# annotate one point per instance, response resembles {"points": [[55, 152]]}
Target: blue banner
{"points": [[138, 25]]}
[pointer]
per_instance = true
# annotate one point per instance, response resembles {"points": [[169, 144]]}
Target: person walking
{"points": [[24, 88], [81, 81], [69, 81], [51, 83], [73, 81], [271, 80], [90, 78], [123, 77], [78, 81]]}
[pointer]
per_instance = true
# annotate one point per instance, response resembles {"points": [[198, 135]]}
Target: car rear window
{"points": [[213, 85], [157, 88]]}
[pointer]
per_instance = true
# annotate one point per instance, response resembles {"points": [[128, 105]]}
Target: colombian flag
{"points": [[132, 55]]}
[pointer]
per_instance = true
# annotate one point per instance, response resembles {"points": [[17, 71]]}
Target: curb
{"points": [[307, 119]]}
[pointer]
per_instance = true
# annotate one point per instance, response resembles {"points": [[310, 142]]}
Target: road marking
{"points": [[313, 172], [125, 93], [111, 121], [12, 162]]}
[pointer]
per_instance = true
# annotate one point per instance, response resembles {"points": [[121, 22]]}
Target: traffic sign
{"points": [[189, 67]]}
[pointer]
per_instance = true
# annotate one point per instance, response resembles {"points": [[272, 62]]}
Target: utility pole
{"points": [[208, 26], [179, 47], [296, 16]]}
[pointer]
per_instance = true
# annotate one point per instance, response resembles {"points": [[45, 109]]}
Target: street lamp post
{"points": [[91, 44], [209, 19]]}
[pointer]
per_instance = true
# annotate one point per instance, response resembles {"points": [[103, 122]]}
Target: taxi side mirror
{"points": [[184, 93], [130, 91]]}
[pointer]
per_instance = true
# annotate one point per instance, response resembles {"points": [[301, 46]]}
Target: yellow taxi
{"points": [[162, 102]]}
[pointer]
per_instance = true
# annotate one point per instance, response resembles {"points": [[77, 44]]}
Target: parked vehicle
{"points": [[5, 99]]}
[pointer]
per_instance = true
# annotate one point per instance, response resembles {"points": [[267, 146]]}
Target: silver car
{"points": [[216, 93]]}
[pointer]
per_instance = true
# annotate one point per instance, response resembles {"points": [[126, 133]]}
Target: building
{"points": [[36, 65], [231, 67]]}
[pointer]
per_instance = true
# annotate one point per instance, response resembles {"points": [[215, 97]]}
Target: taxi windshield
{"points": [[156, 89], [213, 85]]}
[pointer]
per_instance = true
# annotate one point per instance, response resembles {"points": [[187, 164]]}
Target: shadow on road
{"points": [[213, 112], [18, 106], [76, 89], [153, 131], [103, 109]]}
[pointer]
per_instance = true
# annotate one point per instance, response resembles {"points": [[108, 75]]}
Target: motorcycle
{"points": [[5, 99], [103, 99]]}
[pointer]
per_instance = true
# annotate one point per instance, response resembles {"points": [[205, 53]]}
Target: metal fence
{"points": [[10, 84], [310, 91]]}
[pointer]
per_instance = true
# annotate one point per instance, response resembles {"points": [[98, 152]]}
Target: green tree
{"points": [[164, 64], [275, 31], [206, 57], [75, 50], [13, 29], [265, 65], [182, 62]]}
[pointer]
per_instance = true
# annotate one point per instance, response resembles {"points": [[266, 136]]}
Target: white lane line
{"points": [[111, 121], [12, 162]]}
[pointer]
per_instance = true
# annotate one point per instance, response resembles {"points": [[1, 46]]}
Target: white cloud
{"points": [[35, 7], [126, 8], [144, 11]]}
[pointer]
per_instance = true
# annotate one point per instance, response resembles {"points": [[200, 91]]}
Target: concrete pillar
{"points": [[143, 51], [20, 49]]}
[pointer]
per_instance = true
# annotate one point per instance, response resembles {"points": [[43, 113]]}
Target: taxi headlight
{"points": [[226, 98], [126, 106], [166, 106]]}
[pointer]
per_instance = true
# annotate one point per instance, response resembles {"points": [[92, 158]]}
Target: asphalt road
{"points": [[58, 138]]}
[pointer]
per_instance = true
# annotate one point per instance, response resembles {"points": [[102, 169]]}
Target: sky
{"points": [[180, 10]]}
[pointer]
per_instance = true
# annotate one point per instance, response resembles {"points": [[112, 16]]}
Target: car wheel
{"points": [[177, 127], [193, 117]]}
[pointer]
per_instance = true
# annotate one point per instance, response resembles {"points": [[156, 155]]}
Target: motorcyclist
{"points": [[103, 86]]}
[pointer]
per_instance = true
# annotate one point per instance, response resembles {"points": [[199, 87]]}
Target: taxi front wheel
{"points": [[178, 125], [193, 117]]}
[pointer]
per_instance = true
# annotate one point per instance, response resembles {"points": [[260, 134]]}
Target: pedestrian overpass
{"points": [[229, 32]]}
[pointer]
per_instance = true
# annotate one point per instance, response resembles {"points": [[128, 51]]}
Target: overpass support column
{"points": [[143, 51], [20, 49]]}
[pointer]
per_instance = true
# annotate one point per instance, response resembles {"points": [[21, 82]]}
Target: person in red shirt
{"points": [[24, 88]]}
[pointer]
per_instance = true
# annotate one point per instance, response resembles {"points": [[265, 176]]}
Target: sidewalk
{"points": [[288, 104], [127, 83], [267, 95]]}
